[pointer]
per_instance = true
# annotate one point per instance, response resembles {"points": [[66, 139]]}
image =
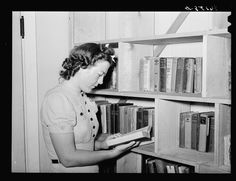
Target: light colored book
{"points": [[131, 136], [169, 63], [227, 150]]}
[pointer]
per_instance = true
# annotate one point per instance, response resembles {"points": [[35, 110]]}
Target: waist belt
{"points": [[54, 161]]}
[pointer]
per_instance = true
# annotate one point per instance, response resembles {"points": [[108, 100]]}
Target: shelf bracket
{"points": [[173, 29]]}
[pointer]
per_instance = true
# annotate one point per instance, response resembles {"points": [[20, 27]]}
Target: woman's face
{"points": [[92, 76]]}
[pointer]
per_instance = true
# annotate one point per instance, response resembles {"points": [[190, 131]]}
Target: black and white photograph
{"points": [[108, 92]]}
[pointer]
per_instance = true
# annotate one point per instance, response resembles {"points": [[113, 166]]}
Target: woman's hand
{"points": [[124, 147], [104, 145]]}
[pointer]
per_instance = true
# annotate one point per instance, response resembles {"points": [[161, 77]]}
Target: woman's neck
{"points": [[72, 85]]}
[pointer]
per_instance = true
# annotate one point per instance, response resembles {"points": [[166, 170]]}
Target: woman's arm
{"points": [[69, 156]]}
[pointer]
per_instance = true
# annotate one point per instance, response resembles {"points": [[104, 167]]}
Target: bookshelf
{"points": [[215, 50]]}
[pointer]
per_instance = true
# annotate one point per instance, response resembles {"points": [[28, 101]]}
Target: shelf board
{"points": [[189, 157], [162, 95], [173, 38]]}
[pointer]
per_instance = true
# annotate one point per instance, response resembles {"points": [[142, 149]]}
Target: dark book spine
{"points": [[145, 118], [210, 140], [117, 122], [179, 75], [182, 130], [139, 118], [163, 66], [195, 130], [112, 123]]}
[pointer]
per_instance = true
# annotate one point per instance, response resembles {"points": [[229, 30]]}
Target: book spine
{"points": [[141, 74], [145, 117], [210, 144], [169, 63], [179, 75], [122, 122], [163, 65], [173, 79], [139, 118], [182, 130], [227, 150], [195, 130], [187, 130], [188, 75], [202, 133], [108, 120], [198, 75], [146, 74], [156, 73]]}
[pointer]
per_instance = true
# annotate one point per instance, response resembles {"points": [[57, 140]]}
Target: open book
{"points": [[134, 135]]}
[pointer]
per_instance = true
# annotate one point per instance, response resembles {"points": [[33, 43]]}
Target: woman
{"points": [[69, 117]]}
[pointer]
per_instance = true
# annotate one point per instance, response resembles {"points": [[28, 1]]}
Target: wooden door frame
{"points": [[30, 93]]}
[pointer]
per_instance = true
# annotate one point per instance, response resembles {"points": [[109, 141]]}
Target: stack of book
{"points": [[171, 74], [155, 165], [196, 131], [123, 117]]}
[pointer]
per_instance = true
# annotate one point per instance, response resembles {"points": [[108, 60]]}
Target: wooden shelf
{"points": [[185, 156], [162, 95], [175, 38]]}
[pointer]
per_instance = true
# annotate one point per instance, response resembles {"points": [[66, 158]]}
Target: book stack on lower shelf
{"points": [[123, 117], [197, 131], [161, 166]]}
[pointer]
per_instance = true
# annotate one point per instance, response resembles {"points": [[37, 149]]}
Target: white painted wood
{"points": [[30, 93], [18, 138], [129, 24], [89, 26]]}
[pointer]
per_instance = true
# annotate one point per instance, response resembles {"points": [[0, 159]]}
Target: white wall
{"points": [[53, 44]]}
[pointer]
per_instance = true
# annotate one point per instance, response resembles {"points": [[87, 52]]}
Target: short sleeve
{"points": [[59, 114]]}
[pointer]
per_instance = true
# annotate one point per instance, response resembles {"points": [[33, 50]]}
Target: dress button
{"points": [[81, 114], [91, 119], [85, 102], [93, 127], [88, 110], [93, 135]]}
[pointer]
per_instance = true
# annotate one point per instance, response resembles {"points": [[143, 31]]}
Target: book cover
{"points": [[188, 75], [108, 118], [182, 130], [139, 118], [210, 138], [198, 75], [195, 130], [163, 65], [161, 166], [188, 129], [227, 150], [169, 63], [156, 73], [138, 134], [207, 115], [173, 79], [146, 71], [203, 131], [179, 75], [117, 115]]}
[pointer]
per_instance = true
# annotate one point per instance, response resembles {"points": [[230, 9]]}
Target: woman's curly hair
{"points": [[84, 55]]}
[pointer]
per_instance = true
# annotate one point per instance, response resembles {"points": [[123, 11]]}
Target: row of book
{"points": [[171, 74], [155, 165], [123, 117], [197, 130]]}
